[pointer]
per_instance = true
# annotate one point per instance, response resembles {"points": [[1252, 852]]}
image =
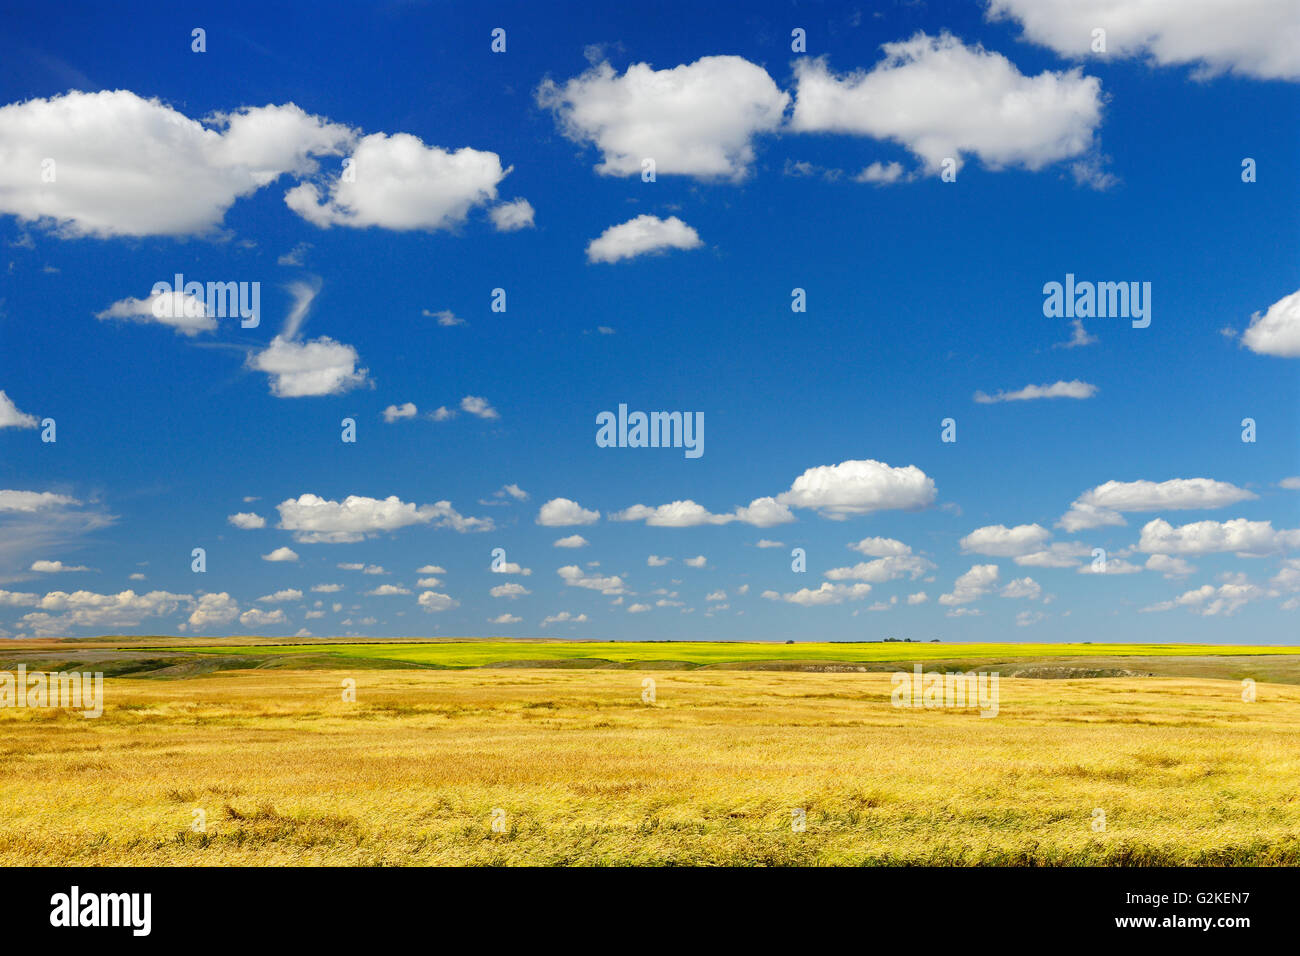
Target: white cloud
{"points": [[31, 501], [576, 577], [1059, 554], [327, 588], [313, 519], [246, 520], [395, 413], [562, 512], [1102, 505], [1258, 38], [316, 367], [999, 541], [941, 99], [511, 567], [1209, 601], [827, 593], [1023, 588], [564, 616], [716, 596], [403, 185], [761, 513], [511, 216], [281, 554], [920, 597], [880, 174], [279, 597], [882, 569], [642, 235], [213, 610], [510, 590], [1073, 389], [637, 608], [698, 561], [55, 567], [11, 417], [768, 543], [1079, 337], [433, 601], [185, 314], [858, 488], [387, 590], [655, 561], [505, 619], [1276, 331], [1290, 484], [1208, 537], [431, 569], [881, 548], [256, 617], [129, 166], [1169, 567], [572, 541], [696, 119], [428, 583], [972, 585], [478, 406]]}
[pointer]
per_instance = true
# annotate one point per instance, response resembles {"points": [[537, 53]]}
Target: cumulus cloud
{"points": [[696, 119], [1276, 331], [972, 585], [858, 488], [479, 407], [129, 166], [883, 569], [510, 590], [1209, 601], [944, 100], [399, 183], [881, 548], [1257, 38], [281, 554], [563, 617], [1023, 588], [1168, 566], [183, 313], [1102, 505], [562, 512], [246, 520], [212, 610], [827, 593], [1209, 537], [317, 367], [642, 235], [313, 519], [505, 619], [999, 541], [574, 576], [56, 567], [512, 216], [1074, 389], [11, 417], [395, 413], [433, 601], [698, 561], [761, 513], [257, 618], [572, 541], [920, 597]]}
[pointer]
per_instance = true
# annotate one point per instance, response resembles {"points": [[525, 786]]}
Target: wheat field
{"points": [[545, 766]]}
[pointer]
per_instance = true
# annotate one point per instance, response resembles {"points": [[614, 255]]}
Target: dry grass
{"points": [[287, 773]]}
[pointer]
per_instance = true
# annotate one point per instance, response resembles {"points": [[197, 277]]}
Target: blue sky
{"points": [[775, 170]]}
